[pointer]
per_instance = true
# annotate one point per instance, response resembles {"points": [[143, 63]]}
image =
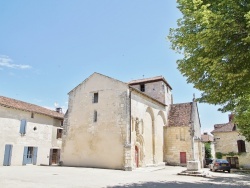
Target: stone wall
{"points": [[102, 143], [148, 120], [157, 90], [226, 142], [177, 139]]}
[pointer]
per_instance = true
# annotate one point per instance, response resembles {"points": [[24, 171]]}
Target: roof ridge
{"points": [[25, 106]]}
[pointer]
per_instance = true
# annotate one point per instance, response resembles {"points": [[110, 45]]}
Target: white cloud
{"points": [[5, 61]]}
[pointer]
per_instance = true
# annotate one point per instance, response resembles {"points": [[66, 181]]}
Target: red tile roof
{"points": [[20, 105], [207, 138], [180, 114], [148, 80], [226, 127]]}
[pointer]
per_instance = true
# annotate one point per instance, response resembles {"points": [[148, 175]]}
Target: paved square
{"points": [[164, 176]]}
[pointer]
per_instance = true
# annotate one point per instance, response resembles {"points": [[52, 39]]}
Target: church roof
{"points": [[180, 114], [226, 127], [24, 106], [148, 80]]}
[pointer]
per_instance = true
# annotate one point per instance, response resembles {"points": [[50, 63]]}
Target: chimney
{"points": [[59, 110], [231, 117]]}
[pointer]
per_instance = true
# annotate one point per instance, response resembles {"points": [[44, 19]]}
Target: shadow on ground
{"points": [[240, 181]]}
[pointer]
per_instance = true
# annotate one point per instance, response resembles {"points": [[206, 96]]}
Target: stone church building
{"points": [[118, 125]]}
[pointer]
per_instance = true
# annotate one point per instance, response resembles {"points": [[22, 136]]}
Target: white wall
{"points": [[41, 137]]}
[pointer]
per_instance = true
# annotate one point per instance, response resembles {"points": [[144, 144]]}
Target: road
{"points": [[73, 177]]}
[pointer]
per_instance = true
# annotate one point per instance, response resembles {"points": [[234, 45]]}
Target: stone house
{"points": [[117, 125], [29, 134], [180, 145], [231, 145]]}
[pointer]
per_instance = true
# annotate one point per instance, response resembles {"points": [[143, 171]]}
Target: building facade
{"points": [[231, 145], [117, 125], [183, 135], [30, 134]]}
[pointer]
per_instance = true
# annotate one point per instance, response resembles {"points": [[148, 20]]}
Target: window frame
{"points": [[95, 97], [59, 133], [241, 146]]}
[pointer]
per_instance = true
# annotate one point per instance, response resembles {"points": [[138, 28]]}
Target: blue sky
{"points": [[47, 47]]}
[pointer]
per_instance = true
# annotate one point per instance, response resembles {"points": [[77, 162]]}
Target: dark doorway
{"points": [[54, 156]]}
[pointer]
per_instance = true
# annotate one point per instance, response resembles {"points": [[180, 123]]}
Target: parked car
{"points": [[208, 161], [220, 164]]}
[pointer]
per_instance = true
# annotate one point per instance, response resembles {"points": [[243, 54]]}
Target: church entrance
{"points": [[137, 156]]}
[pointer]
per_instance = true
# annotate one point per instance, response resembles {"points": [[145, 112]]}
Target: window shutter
{"points": [[7, 155], [25, 151], [35, 155], [23, 126]]}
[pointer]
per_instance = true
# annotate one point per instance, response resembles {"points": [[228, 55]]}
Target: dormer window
{"points": [[142, 87]]}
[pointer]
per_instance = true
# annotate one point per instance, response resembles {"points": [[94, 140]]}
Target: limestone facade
{"points": [[36, 144], [180, 145], [117, 125], [232, 145]]}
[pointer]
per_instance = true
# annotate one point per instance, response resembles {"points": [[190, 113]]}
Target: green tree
{"points": [[208, 150], [214, 38]]}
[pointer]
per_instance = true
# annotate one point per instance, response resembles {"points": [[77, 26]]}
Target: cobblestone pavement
{"points": [[157, 177]]}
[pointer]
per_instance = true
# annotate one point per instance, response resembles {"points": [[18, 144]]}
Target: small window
{"points": [[95, 98], [95, 116], [32, 115], [241, 146], [23, 127], [59, 133], [142, 87]]}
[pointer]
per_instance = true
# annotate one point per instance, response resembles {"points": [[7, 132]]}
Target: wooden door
{"points": [[54, 156], [183, 158], [137, 156], [233, 161]]}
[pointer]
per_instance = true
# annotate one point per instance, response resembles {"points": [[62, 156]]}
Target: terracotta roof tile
{"points": [[226, 127], [207, 138], [180, 114], [147, 80], [20, 105]]}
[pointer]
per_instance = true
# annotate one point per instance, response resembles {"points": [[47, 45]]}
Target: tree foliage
{"points": [[214, 38], [208, 153]]}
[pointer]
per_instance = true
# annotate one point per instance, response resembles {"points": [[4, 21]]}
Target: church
{"points": [[117, 125]]}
